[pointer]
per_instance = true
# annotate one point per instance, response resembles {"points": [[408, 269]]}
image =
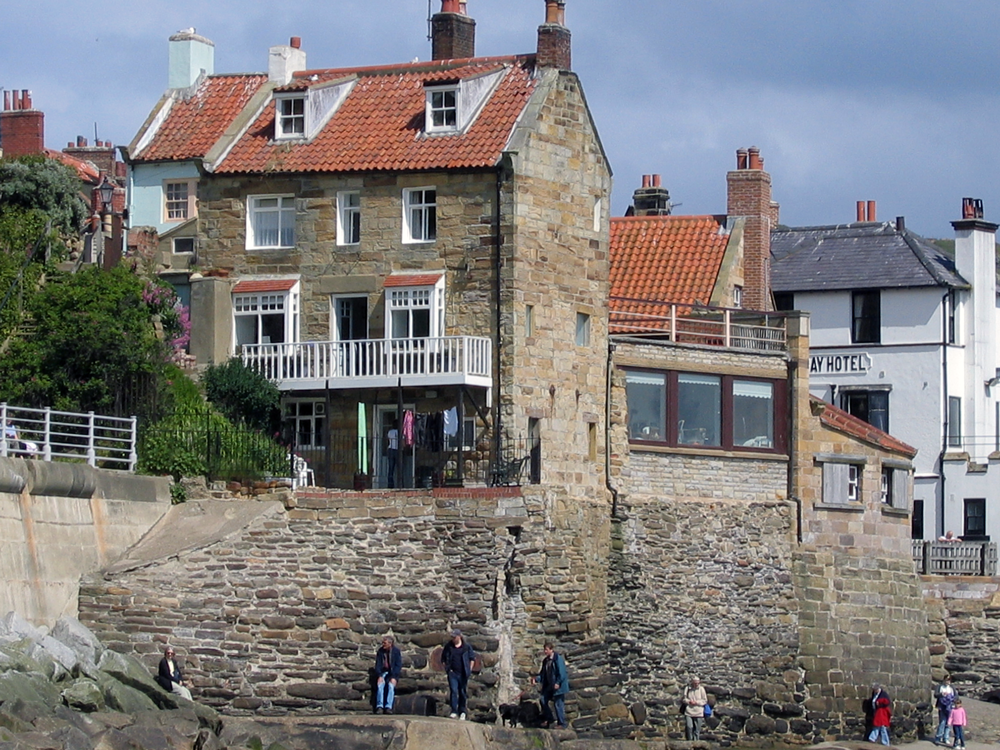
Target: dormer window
{"points": [[442, 109], [290, 121]]}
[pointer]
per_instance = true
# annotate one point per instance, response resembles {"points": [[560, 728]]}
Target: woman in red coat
{"points": [[881, 716]]}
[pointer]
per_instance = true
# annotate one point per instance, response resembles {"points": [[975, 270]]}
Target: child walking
{"points": [[957, 721]]}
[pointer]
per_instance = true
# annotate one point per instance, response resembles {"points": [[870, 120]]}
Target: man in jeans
{"points": [[388, 667], [554, 684], [457, 657]]}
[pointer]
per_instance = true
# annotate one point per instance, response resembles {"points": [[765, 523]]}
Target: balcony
{"points": [[374, 363]]}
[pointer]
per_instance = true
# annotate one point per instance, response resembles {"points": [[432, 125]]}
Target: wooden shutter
{"points": [[835, 483]]}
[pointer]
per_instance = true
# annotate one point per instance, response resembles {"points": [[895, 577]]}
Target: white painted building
{"points": [[904, 336]]}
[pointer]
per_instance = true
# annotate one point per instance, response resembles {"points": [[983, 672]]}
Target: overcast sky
{"points": [[889, 100]]}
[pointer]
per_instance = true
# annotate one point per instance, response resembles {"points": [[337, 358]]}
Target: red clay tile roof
{"points": [[194, 125], [413, 279], [665, 259], [264, 285], [840, 420], [380, 124], [86, 171]]}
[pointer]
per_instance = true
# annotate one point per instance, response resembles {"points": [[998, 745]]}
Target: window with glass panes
{"points": [[420, 215], [271, 221], [308, 418]]}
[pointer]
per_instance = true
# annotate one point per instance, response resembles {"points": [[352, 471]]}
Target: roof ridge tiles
{"points": [[413, 67]]}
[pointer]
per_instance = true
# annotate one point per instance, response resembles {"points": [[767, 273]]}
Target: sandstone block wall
{"points": [[286, 615], [964, 620]]}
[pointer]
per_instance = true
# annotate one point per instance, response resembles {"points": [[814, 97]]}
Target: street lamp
{"points": [[106, 191]]}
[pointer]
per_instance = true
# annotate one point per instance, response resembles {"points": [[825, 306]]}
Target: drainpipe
{"points": [[944, 436], [607, 433], [793, 453], [497, 267]]}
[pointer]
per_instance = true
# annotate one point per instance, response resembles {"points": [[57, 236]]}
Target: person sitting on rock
{"points": [[388, 667], [170, 676]]}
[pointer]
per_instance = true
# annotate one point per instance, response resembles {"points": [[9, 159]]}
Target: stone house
{"points": [[733, 487], [904, 337], [421, 243]]}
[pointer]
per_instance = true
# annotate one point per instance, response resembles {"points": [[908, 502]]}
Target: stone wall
{"points": [[61, 521], [285, 615], [964, 614]]}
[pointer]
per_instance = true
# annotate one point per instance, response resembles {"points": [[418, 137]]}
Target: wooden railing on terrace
{"points": [[697, 324], [955, 558]]}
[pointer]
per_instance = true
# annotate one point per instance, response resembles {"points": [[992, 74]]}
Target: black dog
{"points": [[525, 712]]}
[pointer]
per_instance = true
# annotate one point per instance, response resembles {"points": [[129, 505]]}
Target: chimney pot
{"points": [[81, 141], [861, 211], [6, 101], [656, 180], [741, 158], [871, 210], [753, 154], [900, 223], [450, 6], [645, 181], [26, 99], [15, 98], [295, 42], [555, 12]]}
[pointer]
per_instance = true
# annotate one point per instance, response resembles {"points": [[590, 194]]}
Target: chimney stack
{"points": [[748, 195], [190, 56], [22, 129], [284, 60], [554, 40], [453, 32], [651, 199]]}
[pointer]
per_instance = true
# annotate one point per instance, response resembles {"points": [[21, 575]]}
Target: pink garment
{"points": [[407, 428], [957, 717]]}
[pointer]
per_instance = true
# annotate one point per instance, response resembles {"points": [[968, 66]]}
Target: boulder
{"points": [[123, 698], [14, 624], [133, 673], [84, 695], [59, 651], [75, 635]]}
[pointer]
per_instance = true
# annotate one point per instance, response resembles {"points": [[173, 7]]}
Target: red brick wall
{"points": [[749, 195], [22, 132]]}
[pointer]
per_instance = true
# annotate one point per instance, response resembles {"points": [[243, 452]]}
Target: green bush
{"points": [[243, 394]]}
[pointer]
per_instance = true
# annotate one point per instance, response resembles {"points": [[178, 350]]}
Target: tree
{"points": [[37, 185], [243, 394], [94, 346]]}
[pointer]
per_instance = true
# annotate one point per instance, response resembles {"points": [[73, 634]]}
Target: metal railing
{"points": [[50, 435], [955, 558], [696, 324], [349, 364]]}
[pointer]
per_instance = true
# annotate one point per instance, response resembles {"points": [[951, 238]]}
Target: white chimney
{"points": [[190, 56], [284, 60]]}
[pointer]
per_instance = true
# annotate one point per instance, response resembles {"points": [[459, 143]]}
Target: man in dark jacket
{"points": [[388, 666], [554, 684], [457, 657], [169, 674]]}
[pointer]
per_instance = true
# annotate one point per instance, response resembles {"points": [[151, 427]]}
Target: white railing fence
{"points": [[50, 435], [371, 358]]}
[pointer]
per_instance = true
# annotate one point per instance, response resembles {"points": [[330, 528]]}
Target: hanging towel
{"points": [[407, 428], [362, 440], [451, 422]]}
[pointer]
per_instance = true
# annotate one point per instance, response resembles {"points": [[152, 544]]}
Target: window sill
{"points": [[348, 244], [270, 247], [757, 455], [888, 510], [956, 455], [846, 507], [408, 241]]}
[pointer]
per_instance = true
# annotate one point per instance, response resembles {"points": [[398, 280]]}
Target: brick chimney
{"points": [[22, 128], [652, 199], [554, 40], [190, 55], [749, 196], [102, 154], [453, 32]]}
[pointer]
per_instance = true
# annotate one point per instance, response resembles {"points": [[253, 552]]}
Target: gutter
{"points": [[607, 432]]}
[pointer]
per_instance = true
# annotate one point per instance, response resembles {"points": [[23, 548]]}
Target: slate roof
{"points": [[378, 127], [665, 259], [195, 123], [865, 255], [840, 420]]}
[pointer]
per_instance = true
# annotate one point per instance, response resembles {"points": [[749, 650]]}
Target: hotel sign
{"points": [[839, 364]]}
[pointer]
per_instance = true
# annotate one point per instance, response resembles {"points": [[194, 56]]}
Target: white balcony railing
{"points": [[375, 363]]}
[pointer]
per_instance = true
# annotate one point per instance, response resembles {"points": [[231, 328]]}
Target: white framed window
{"points": [[529, 321], [348, 217], [420, 215], [737, 296], [853, 483], [266, 317], [598, 208], [442, 109], [308, 418], [179, 200], [270, 221], [582, 329], [290, 117], [182, 245], [416, 312], [350, 317]]}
